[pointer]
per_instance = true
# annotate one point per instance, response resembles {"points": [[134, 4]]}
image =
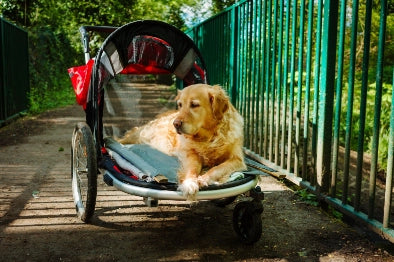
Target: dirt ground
{"points": [[38, 220]]}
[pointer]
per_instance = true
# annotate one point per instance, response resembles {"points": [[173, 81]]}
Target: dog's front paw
{"points": [[189, 188], [203, 181]]}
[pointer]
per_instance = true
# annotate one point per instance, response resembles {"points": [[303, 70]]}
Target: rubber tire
{"points": [[247, 222], [84, 171]]}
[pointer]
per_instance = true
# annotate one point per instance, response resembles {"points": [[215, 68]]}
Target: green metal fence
{"points": [[316, 98], [14, 70]]}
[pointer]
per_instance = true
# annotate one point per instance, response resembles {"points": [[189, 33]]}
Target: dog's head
{"points": [[200, 107]]}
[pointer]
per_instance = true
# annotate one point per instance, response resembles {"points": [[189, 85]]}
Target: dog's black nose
{"points": [[177, 123]]}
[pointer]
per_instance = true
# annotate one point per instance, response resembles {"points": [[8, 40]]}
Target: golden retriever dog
{"points": [[206, 134]]}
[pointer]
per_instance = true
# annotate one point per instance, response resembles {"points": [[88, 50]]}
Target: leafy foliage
{"points": [[307, 197], [55, 43], [48, 76], [219, 5]]}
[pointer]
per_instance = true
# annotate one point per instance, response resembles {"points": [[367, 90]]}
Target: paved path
{"points": [[38, 221]]}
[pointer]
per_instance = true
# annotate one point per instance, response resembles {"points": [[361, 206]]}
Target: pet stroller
{"points": [[132, 51]]}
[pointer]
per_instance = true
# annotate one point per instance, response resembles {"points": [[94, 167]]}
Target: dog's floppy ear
{"points": [[219, 102], [178, 95]]}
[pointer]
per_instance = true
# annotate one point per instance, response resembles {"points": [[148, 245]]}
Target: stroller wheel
{"points": [[247, 222], [84, 171]]}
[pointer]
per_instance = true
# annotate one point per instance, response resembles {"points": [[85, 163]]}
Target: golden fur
{"points": [[206, 133]]}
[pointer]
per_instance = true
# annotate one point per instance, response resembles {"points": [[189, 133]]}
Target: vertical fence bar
{"points": [[226, 59], [307, 91], [363, 104], [223, 40], [246, 63], [262, 92], [245, 57], [245, 60], [225, 43], [316, 88], [285, 89], [273, 83], [241, 58], [326, 94], [258, 74], [390, 166], [292, 77], [3, 101], [267, 79], [254, 40], [250, 82], [234, 55], [246, 83], [350, 94], [230, 44], [299, 89], [220, 48], [378, 103], [338, 104], [279, 84], [251, 52]]}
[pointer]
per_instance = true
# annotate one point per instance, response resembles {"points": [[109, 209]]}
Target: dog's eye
{"points": [[179, 104], [194, 104]]}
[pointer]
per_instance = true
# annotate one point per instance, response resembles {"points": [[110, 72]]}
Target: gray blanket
{"points": [[149, 160]]}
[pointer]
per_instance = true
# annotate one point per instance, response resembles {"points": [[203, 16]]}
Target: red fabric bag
{"points": [[80, 79]]}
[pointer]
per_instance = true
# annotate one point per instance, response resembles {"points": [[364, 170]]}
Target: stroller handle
{"points": [[84, 30]]}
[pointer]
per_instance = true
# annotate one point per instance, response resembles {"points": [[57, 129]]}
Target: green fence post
{"points": [[363, 104], [326, 94], [299, 91], [390, 168], [305, 173], [267, 80], [258, 87], [292, 80], [279, 84], [350, 95], [316, 88], [272, 98], [262, 133], [285, 86], [234, 55], [3, 115], [338, 105], [378, 103]]}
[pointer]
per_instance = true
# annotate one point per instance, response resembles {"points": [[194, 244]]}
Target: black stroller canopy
{"points": [[141, 47], [149, 47]]}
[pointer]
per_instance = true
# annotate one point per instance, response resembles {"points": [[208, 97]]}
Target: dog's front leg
{"points": [[188, 173], [222, 172]]}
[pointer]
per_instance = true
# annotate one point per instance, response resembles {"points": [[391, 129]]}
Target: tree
{"points": [[220, 5], [55, 43]]}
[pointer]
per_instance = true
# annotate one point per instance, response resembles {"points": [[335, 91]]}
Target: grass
{"points": [[43, 101]]}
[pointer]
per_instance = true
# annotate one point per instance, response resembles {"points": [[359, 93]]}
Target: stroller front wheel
{"points": [[247, 221], [84, 171]]}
